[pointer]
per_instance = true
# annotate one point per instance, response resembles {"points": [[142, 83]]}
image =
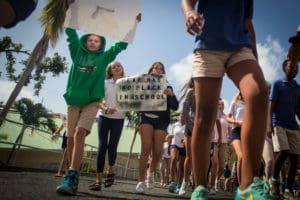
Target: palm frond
{"points": [[52, 18]]}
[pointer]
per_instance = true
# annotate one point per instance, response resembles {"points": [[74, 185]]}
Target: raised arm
{"points": [[73, 42]]}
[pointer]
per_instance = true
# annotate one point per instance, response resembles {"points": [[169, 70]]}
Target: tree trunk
{"points": [[17, 142], [37, 54], [130, 152]]}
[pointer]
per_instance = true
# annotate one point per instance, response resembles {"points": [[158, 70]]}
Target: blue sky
{"points": [[161, 36]]}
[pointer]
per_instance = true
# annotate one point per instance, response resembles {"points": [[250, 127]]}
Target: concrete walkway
{"points": [[28, 185]]}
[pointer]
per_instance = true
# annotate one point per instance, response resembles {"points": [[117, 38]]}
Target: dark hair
{"points": [[284, 64], [152, 66]]}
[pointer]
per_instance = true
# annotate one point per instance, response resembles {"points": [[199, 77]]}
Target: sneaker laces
{"points": [[262, 187], [70, 177]]}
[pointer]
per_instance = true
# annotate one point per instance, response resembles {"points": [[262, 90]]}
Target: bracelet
{"points": [[188, 13]]}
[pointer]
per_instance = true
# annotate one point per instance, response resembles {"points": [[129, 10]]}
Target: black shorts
{"points": [[157, 123], [181, 150], [187, 132], [64, 141], [236, 133]]}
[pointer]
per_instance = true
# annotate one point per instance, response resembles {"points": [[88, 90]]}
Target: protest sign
{"points": [[141, 93], [113, 19]]}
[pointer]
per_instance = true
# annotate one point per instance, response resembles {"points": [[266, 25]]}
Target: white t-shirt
{"points": [[110, 100], [224, 130], [165, 150], [178, 134], [237, 111]]}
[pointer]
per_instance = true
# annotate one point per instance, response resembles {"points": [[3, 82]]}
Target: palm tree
{"points": [[35, 115], [52, 18], [133, 122]]}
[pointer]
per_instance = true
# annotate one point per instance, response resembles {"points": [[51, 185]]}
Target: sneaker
{"points": [[150, 180], [70, 185], [172, 187], [212, 191], [259, 189], [200, 193], [275, 188], [183, 188], [178, 188], [286, 194], [140, 187]]}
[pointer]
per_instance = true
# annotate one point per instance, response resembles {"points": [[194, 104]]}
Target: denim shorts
{"points": [[157, 123], [236, 133]]}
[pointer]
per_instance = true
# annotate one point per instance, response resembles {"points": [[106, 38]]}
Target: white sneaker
{"points": [[140, 187], [150, 180], [183, 187], [212, 191]]}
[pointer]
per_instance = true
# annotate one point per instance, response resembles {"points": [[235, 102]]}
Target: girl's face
{"points": [[157, 69], [116, 69], [221, 105], [93, 43]]}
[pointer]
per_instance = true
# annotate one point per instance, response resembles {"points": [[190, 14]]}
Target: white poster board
{"points": [[141, 93], [115, 19]]}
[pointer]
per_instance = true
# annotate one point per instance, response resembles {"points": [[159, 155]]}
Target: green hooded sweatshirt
{"points": [[86, 79]]}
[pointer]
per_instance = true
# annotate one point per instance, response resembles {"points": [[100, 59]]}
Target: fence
{"points": [[37, 151]]}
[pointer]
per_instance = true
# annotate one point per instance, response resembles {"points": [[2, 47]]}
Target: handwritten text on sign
{"points": [[141, 93]]}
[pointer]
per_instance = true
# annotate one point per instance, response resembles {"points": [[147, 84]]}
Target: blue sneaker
{"points": [[70, 185], [259, 189], [178, 188], [200, 193], [172, 187]]}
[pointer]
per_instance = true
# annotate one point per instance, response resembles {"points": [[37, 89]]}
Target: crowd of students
{"points": [[224, 43]]}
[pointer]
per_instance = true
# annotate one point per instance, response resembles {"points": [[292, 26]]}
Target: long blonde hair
{"points": [[238, 97], [109, 74]]}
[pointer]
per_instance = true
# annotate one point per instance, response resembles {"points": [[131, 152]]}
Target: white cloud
{"points": [[179, 73], [271, 55], [6, 87]]}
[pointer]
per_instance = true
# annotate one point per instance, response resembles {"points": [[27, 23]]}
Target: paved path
{"points": [[26, 185]]}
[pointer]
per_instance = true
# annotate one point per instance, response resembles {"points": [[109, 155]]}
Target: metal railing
{"points": [[89, 159]]}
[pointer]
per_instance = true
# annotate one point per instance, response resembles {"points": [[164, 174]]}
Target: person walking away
{"points": [[64, 162]]}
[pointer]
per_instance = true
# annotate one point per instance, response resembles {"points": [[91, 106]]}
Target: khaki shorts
{"points": [[82, 117], [286, 139], [208, 63]]}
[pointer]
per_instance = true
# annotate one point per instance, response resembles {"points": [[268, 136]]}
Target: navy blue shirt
{"points": [[286, 98], [224, 24]]}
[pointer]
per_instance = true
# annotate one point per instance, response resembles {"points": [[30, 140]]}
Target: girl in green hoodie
{"points": [[85, 89]]}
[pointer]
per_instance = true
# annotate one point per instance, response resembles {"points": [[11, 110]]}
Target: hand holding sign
{"points": [[116, 19]]}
